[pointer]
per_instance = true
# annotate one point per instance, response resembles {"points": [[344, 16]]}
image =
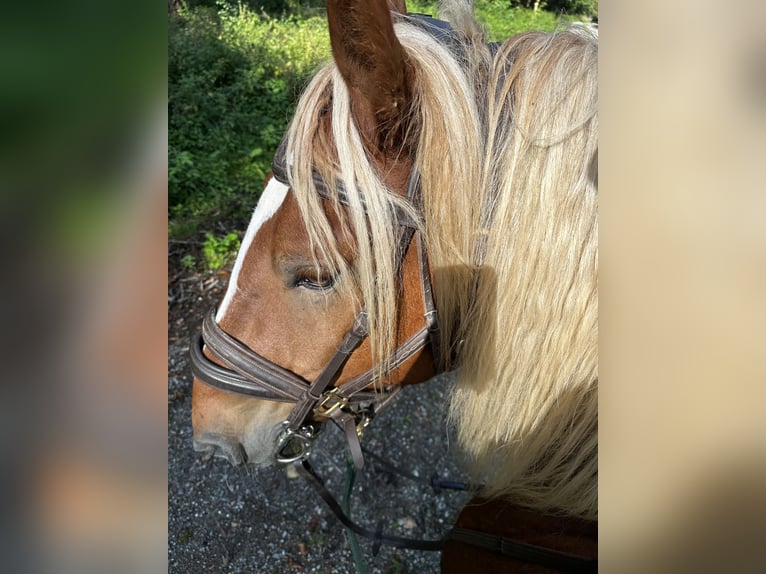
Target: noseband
{"points": [[353, 404]]}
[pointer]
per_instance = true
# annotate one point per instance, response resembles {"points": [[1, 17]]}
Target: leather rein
{"points": [[351, 404]]}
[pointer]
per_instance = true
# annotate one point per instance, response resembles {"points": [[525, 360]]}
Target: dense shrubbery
{"points": [[234, 77], [235, 73]]}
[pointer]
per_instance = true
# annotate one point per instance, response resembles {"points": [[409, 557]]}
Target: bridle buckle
{"points": [[294, 444], [364, 418], [330, 403]]}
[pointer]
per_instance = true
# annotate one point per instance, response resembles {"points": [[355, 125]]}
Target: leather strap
{"points": [[431, 317], [279, 169], [242, 359], [331, 372], [402, 353], [305, 470], [246, 372], [512, 549], [227, 380], [524, 552], [348, 423]]}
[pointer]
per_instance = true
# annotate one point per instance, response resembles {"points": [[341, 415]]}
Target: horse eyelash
{"points": [[315, 282]]}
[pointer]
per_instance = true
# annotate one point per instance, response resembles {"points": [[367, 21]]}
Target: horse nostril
{"points": [[221, 447]]}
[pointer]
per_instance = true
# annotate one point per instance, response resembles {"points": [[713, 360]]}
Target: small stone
{"points": [[408, 523], [291, 472]]}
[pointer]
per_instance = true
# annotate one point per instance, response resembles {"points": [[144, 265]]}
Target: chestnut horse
{"points": [[433, 207]]}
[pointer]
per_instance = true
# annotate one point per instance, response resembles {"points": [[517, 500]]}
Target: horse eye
{"points": [[315, 281]]}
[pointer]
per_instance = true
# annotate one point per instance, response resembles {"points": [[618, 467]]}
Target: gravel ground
{"points": [[223, 519]]}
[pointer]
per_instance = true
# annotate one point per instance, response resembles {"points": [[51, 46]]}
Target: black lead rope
{"points": [[511, 549], [434, 482], [306, 470]]}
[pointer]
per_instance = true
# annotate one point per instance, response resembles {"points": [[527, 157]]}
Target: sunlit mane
{"points": [[447, 127], [507, 155], [530, 358]]}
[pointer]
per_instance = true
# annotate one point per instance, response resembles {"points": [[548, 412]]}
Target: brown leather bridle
{"points": [[353, 404]]}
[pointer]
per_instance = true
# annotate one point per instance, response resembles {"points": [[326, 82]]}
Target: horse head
{"points": [[331, 243]]}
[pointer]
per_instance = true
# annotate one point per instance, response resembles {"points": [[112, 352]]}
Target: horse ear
{"points": [[374, 67]]}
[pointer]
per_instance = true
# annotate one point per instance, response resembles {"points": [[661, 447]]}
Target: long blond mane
{"points": [[506, 148]]}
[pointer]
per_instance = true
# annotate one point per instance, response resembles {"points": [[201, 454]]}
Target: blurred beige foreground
{"points": [[683, 303], [683, 287], [101, 483]]}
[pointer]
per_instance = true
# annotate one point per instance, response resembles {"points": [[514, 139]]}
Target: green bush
{"points": [[272, 7], [234, 75], [219, 251], [504, 18], [587, 8], [189, 262], [572, 8], [503, 22], [233, 79]]}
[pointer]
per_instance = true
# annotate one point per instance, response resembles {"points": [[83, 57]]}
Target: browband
{"points": [[280, 171]]}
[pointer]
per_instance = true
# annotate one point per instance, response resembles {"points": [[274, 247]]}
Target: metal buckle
{"points": [[294, 445], [330, 403], [365, 418]]}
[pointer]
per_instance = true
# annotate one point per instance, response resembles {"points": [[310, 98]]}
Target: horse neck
{"points": [[450, 157], [530, 320]]}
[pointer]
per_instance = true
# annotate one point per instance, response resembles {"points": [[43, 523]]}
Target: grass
{"points": [[500, 19]]}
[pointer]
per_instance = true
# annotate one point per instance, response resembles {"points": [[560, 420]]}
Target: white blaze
{"points": [[270, 201]]}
